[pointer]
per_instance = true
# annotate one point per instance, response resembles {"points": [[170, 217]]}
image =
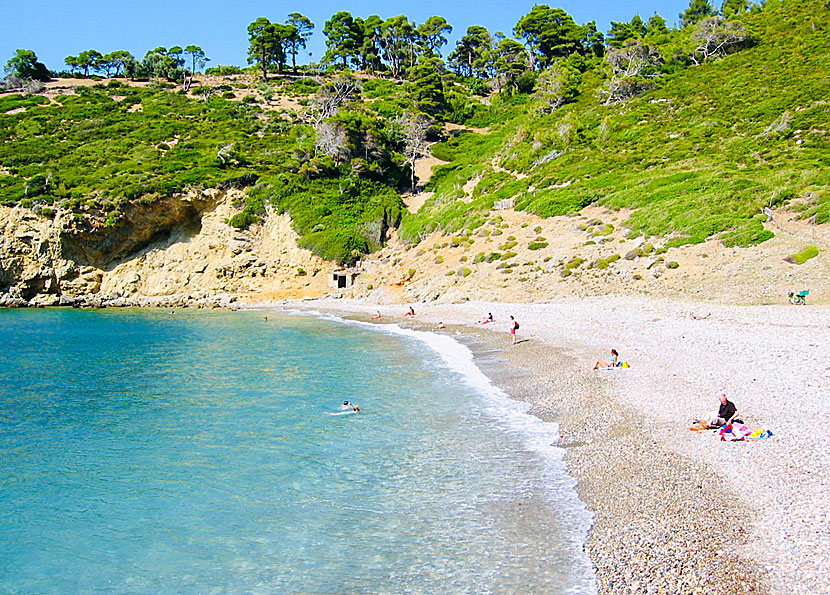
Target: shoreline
{"points": [[660, 494]]}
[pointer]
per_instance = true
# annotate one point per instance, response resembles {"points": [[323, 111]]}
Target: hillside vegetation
{"points": [[699, 154], [695, 129]]}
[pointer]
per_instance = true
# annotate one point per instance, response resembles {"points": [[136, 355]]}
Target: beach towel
{"points": [[733, 432], [760, 434]]}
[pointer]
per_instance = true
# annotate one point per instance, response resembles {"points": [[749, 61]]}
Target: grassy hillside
{"points": [[107, 146], [697, 156]]}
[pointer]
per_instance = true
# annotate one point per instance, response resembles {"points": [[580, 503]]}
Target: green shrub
{"points": [[223, 70], [801, 257], [493, 256], [244, 220], [537, 245], [574, 263]]}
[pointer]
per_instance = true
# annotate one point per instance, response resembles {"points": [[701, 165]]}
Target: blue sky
{"points": [[55, 29]]}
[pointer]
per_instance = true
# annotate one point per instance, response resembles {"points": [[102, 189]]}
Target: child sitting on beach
{"points": [[487, 319], [614, 362]]}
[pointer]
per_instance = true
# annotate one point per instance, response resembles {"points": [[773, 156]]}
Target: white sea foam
{"points": [[512, 416]]}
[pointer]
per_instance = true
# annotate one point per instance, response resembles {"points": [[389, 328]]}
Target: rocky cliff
{"points": [[173, 251], [181, 252]]}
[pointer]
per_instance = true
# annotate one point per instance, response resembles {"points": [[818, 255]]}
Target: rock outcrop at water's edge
{"points": [[176, 251], [181, 251]]}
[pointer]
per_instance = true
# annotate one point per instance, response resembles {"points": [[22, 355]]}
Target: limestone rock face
{"points": [[176, 251]]}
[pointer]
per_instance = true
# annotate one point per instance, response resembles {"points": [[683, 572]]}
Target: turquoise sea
{"points": [[151, 451]]}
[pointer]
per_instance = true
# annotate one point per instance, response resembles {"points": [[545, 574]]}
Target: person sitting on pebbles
{"points": [[727, 412], [614, 362]]}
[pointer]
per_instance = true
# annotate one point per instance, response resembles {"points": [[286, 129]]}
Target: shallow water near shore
{"points": [[149, 450]]}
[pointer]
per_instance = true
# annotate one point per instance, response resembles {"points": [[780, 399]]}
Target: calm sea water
{"points": [[147, 451]]}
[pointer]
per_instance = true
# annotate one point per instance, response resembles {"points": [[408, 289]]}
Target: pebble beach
{"points": [[675, 511]]}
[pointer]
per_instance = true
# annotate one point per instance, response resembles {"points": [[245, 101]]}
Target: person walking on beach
{"points": [[513, 328]]}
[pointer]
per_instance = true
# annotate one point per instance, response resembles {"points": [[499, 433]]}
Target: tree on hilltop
{"points": [[510, 60], [344, 38], [731, 8], [89, 59], [656, 26], [396, 40], [433, 34], [268, 43], [114, 62], [472, 52], [370, 51], [549, 33], [619, 33], [304, 28], [25, 66], [697, 11]]}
